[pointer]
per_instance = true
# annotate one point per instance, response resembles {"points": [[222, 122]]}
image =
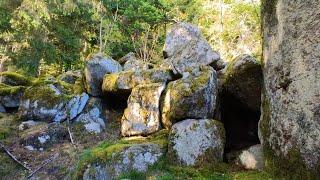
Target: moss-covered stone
{"points": [[193, 96], [126, 80], [15, 79]]}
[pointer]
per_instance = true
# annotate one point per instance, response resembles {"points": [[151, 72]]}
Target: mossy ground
{"points": [[164, 171], [16, 79]]}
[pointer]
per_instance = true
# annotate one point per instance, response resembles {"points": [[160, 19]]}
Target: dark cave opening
{"points": [[241, 123], [117, 101]]}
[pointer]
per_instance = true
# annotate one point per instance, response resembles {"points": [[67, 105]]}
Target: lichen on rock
{"points": [[195, 142], [192, 96]]}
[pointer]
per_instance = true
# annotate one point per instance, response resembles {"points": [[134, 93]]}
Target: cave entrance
{"points": [[241, 123]]}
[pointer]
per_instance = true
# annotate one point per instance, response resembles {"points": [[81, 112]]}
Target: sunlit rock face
{"points": [[192, 96], [196, 142], [142, 117], [185, 48], [290, 123]]}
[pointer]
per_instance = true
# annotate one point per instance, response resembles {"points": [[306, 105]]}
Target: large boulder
{"points": [[193, 96], [185, 48], [95, 70], [50, 104], [142, 117], [243, 80], [290, 121], [126, 80], [136, 157], [195, 142]]}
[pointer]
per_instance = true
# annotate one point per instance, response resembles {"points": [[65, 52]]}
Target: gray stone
{"points": [[92, 121], [76, 105], [185, 48], [96, 69], [136, 64], [10, 96], [142, 116], [252, 158], [70, 76], [2, 109], [196, 142], [137, 157], [193, 96], [27, 124], [290, 121]]}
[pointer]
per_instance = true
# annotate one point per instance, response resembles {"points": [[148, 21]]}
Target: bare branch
{"points": [[46, 162], [13, 157]]}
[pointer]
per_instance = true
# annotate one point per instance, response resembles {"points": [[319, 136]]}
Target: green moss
{"points": [[15, 79], [110, 82], [289, 167], [11, 90], [46, 95]]}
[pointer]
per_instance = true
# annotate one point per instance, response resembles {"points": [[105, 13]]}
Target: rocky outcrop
{"points": [[95, 70], [196, 142], [127, 80], [243, 80], [136, 157], [290, 121], [48, 103], [185, 48], [142, 116], [252, 158], [192, 96]]}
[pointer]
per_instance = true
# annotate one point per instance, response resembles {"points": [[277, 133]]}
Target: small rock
{"points": [[95, 70], [77, 104], [92, 121], [70, 76], [196, 142], [27, 124], [142, 117], [252, 158], [30, 148]]}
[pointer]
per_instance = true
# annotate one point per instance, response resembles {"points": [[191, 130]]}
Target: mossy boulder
{"points": [[95, 70], [142, 116], [10, 96], [135, 157], [195, 142], [243, 80], [126, 80], [49, 103], [192, 96], [185, 48], [290, 122], [14, 79]]}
